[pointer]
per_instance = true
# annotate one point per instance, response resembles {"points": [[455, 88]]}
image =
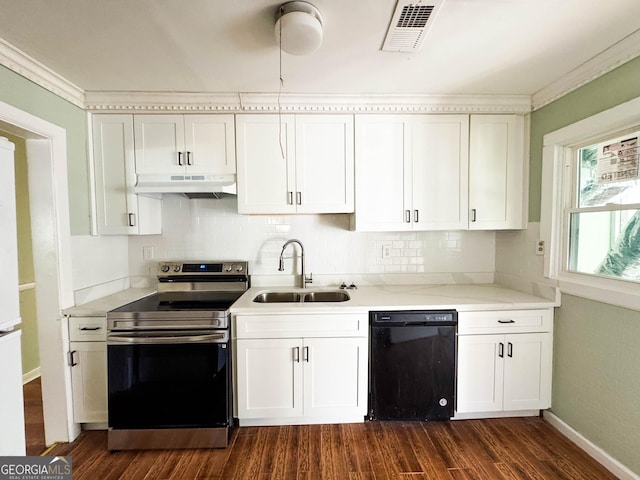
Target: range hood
{"points": [[192, 186]]}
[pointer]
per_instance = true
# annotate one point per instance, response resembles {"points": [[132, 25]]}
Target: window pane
{"points": [[606, 243], [608, 173]]}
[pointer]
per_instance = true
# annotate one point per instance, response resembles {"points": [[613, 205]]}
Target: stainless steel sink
{"points": [[293, 297], [278, 297], [328, 296]]}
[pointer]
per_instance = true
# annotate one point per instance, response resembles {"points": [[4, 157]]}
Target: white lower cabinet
{"points": [[298, 380], [500, 371], [88, 363]]}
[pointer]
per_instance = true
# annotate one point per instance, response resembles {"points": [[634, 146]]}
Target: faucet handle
{"points": [[343, 286], [308, 278]]}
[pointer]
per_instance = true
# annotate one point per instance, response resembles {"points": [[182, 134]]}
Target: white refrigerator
{"points": [[12, 437]]}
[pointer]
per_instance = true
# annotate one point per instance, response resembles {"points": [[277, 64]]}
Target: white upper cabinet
{"points": [[497, 188], [185, 144], [119, 211], [439, 160], [411, 172], [295, 163]]}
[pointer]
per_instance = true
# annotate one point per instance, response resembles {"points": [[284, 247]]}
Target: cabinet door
{"points": [[527, 371], [335, 377], [119, 211], [160, 145], [382, 144], [439, 172], [269, 377], [89, 381], [210, 144], [266, 163], [480, 373], [324, 163], [497, 186]]}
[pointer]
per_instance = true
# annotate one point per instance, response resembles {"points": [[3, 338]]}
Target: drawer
{"points": [[297, 325], [505, 321], [88, 329]]}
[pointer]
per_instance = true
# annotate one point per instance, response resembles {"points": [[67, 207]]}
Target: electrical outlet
{"points": [[386, 251], [147, 253], [540, 247]]}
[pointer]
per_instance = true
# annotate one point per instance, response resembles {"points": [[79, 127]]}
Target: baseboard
{"points": [[29, 376], [598, 454]]}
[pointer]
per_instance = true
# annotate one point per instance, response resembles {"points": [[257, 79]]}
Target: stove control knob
{"points": [[165, 268], [176, 268], [238, 268], [228, 268]]}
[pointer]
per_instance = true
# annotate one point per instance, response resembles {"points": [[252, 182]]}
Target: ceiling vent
{"points": [[409, 25]]}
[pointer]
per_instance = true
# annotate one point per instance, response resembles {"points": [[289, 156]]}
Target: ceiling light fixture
{"points": [[298, 28]]}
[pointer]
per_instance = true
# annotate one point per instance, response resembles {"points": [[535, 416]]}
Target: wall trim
{"points": [[625, 50], [22, 64], [163, 102], [597, 453], [29, 376]]}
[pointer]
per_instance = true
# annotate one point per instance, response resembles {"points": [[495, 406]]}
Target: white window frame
{"points": [[557, 158]]}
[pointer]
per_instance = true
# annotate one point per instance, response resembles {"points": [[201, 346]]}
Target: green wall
{"points": [[596, 364], [596, 375], [30, 350], [31, 98], [614, 88]]}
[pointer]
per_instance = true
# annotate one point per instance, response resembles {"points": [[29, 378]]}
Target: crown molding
{"points": [[625, 50], [22, 64], [148, 102]]}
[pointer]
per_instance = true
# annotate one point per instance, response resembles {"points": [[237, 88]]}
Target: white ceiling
{"points": [[223, 46]]}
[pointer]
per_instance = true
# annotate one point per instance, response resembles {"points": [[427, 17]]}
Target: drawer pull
{"points": [[72, 361], [90, 329], [506, 321]]}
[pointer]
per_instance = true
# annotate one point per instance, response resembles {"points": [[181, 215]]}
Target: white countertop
{"points": [[401, 297], [100, 307]]}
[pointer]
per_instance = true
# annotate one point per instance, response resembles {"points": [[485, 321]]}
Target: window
{"points": [[604, 215], [590, 211]]}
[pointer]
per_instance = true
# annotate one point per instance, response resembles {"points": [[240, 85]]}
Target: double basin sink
{"points": [[300, 297]]}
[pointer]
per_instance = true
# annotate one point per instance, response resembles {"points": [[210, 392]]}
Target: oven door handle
{"points": [[115, 339]]}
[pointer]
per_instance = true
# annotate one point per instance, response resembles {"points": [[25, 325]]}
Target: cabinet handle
{"points": [[132, 219], [501, 350], [296, 354], [305, 354], [415, 216], [510, 349], [407, 216], [180, 159], [72, 361], [299, 198], [92, 329], [506, 321], [189, 158], [289, 198], [473, 214]]}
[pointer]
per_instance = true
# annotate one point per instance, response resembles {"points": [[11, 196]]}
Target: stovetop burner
{"points": [[190, 295]]}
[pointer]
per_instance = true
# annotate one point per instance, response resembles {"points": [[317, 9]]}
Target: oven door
{"points": [[175, 379]]}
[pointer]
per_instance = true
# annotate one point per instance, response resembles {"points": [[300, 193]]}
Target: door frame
{"points": [[51, 234]]}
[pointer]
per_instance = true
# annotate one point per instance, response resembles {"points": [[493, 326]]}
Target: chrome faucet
{"points": [[303, 278]]}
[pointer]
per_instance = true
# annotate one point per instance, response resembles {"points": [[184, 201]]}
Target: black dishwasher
{"points": [[412, 367]]}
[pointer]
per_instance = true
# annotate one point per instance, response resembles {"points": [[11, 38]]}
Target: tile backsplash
{"points": [[212, 229]]}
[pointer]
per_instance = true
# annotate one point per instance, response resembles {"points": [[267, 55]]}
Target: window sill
{"points": [[614, 292]]}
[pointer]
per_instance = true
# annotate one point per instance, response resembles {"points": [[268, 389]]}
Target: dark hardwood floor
{"points": [[33, 417], [517, 448]]}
